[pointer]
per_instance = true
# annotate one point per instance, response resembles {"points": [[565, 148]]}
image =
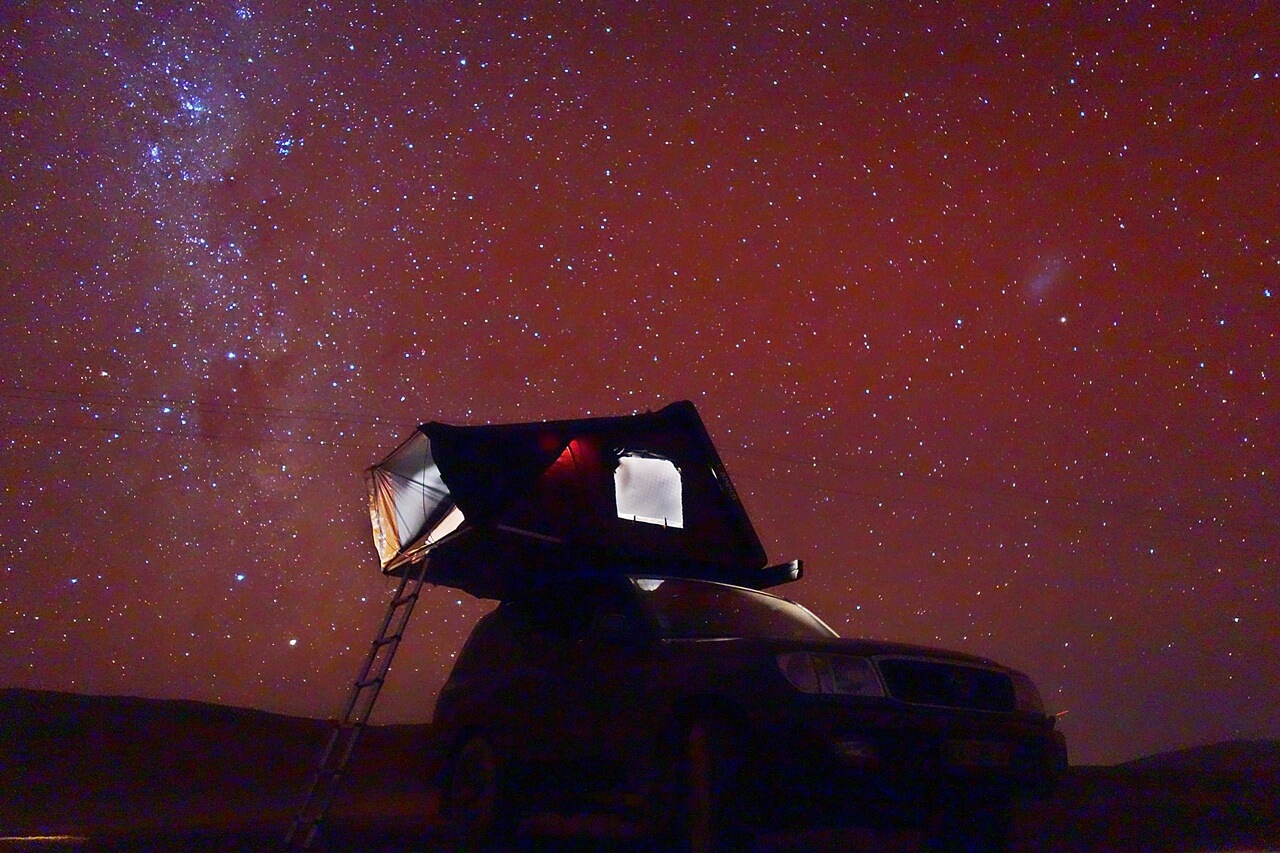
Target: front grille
{"points": [[947, 685]]}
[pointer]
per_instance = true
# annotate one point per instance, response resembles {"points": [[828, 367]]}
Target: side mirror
{"points": [[612, 628], [780, 574]]}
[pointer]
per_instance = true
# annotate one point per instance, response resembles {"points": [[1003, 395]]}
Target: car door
{"points": [[546, 674], [501, 684], [610, 706]]}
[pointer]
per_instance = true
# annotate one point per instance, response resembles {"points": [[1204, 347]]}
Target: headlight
{"points": [[1025, 695], [809, 672]]}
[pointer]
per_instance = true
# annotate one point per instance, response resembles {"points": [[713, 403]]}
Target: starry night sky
{"points": [[979, 307]]}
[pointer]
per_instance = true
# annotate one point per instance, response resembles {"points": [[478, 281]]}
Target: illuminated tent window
{"points": [[648, 490]]}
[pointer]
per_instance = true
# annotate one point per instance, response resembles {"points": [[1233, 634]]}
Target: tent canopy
{"points": [[495, 508]]}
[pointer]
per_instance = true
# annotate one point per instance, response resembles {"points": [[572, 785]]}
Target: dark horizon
{"points": [[979, 310]]}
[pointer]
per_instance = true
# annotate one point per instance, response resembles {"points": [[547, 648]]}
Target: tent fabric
{"points": [[407, 495], [494, 507]]}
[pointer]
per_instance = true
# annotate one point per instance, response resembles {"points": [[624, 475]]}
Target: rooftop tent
{"points": [[492, 508]]}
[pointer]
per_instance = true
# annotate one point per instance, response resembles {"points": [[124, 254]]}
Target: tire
{"points": [[972, 823], [703, 806], [474, 798]]}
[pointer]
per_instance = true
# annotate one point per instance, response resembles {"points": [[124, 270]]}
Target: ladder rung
{"points": [[342, 743]]}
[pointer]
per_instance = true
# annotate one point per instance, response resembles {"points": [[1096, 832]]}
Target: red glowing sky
{"points": [[978, 307]]}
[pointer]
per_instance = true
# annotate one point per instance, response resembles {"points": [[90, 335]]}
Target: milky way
{"points": [[978, 308]]}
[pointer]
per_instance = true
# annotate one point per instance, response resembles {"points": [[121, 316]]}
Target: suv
{"points": [[704, 710]]}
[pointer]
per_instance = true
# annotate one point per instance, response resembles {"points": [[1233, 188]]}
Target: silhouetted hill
{"points": [[94, 764], [126, 773], [1235, 757], [1218, 797]]}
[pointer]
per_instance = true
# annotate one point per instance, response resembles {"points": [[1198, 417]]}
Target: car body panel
{"points": [[579, 684]]}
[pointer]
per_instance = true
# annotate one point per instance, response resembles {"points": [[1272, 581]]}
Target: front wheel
{"points": [[703, 802], [971, 822], [474, 803]]}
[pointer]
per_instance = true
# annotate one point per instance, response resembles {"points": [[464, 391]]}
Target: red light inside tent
{"points": [[575, 460], [570, 457]]}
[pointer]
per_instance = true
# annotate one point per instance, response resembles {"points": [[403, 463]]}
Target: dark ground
{"points": [[112, 773]]}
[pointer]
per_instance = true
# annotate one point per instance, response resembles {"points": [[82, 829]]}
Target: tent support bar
{"points": [[355, 713]]}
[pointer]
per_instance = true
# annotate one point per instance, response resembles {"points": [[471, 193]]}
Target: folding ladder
{"points": [[355, 715]]}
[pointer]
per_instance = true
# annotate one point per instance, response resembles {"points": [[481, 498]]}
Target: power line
{"points": [[194, 436], [1260, 552], [145, 402], [269, 419], [1045, 499], [250, 413]]}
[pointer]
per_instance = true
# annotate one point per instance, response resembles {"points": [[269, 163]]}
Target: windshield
{"points": [[687, 609]]}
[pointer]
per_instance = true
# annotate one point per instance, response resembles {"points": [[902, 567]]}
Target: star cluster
{"points": [[979, 307]]}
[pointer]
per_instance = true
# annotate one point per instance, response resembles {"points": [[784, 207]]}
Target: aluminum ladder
{"points": [[355, 715]]}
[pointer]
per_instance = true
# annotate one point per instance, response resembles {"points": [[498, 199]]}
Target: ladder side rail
{"points": [[378, 664], [370, 658], [346, 733], [405, 605], [353, 697]]}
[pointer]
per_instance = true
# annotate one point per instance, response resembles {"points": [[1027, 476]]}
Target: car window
{"points": [[686, 609], [499, 635], [583, 608]]}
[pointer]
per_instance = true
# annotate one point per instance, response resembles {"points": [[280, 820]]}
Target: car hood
{"points": [[843, 645]]}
